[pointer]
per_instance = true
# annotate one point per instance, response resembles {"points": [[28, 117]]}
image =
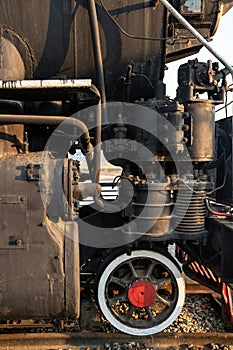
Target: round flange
{"points": [[141, 293]]}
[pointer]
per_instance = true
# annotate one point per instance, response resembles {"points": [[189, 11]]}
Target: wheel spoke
{"points": [[130, 312], [117, 299], [132, 269], [163, 300], [162, 281], [118, 281], [149, 313], [150, 268]]}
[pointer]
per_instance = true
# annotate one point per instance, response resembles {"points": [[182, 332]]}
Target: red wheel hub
{"points": [[142, 293]]}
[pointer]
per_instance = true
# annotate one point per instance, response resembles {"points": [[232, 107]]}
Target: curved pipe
{"points": [[85, 136], [51, 121], [84, 190]]}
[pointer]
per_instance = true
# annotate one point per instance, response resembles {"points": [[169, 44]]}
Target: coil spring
{"points": [[190, 212]]}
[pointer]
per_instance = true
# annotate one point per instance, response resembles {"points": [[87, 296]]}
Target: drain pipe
{"points": [[101, 116], [197, 35], [94, 25]]}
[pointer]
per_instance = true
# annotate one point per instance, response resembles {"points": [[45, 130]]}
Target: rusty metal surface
{"points": [[53, 38], [196, 288], [89, 340], [32, 265], [89, 309], [58, 37], [11, 139], [204, 16], [39, 268]]}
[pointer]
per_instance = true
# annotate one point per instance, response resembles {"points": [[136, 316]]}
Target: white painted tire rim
{"points": [[176, 274]]}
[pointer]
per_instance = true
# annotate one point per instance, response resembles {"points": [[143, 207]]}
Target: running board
{"points": [[50, 89]]}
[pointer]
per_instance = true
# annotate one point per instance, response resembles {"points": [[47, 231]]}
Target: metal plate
{"points": [[13, 222]]}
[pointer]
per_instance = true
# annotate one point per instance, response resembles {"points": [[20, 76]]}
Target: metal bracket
{"points": [[33, 172]]}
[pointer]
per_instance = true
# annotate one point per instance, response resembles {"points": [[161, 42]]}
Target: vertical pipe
{"points": [[100, 80], [96, 48]]}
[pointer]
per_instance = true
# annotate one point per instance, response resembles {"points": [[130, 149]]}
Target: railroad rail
{"points": [[89, 341], [197, 288]]}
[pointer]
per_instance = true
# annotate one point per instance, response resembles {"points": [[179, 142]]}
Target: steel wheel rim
{"points": [[151, 322]]}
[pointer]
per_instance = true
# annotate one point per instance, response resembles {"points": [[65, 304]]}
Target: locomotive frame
{"points": [[87, 76]]}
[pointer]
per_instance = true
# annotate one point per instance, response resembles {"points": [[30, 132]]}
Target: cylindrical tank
{"points": [[43, 39], [156, 205], [54, 40], [203, 130]]}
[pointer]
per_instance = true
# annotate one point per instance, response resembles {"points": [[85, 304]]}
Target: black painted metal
{"points": [[224, 174], [58, 40], [39, 265]]}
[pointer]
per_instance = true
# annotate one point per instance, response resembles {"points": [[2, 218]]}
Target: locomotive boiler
{"points": [[83, 79]]}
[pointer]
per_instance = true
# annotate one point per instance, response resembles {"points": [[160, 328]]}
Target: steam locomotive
{"points": [[87, 76]]}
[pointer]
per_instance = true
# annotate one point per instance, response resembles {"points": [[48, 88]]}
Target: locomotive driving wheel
{"points": [[142, 293]]}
